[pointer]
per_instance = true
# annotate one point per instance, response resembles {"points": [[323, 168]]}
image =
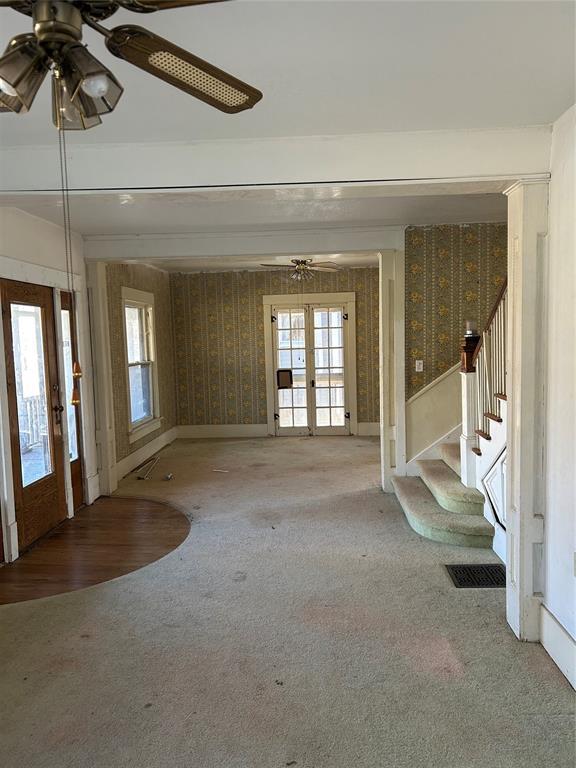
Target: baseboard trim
{"points": [[368, 429], [198, 431], [92, 488], [222, 430], [559, 644], [130, 462]]}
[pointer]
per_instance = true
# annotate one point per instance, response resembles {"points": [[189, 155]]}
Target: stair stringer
{"points": [[489, 466]]}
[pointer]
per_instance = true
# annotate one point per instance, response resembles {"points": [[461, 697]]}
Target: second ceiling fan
{"points": [[304, 269]]}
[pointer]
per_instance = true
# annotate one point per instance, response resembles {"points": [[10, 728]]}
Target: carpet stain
{"points": [[239, 576]]}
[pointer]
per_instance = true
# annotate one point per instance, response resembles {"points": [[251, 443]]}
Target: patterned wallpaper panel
{"points": [[153, 281], [453, 274], [219, 341]]}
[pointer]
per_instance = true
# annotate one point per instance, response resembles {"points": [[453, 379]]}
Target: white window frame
{"points": [[131, 297]]}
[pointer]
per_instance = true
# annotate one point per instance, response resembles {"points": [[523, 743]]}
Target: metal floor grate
{"points": [[477, 576]]}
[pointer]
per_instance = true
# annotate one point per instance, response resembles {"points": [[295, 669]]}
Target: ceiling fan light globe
{"points": [[96, 86], [92, 87], [8, 89]]}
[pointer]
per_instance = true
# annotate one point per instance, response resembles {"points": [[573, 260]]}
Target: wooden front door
{"points": [[35, 408], [73, 415]]}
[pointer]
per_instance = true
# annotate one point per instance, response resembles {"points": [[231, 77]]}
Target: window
{"points": [[142, 379]]}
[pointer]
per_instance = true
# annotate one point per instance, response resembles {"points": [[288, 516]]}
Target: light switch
{"points": [[419, 366]]}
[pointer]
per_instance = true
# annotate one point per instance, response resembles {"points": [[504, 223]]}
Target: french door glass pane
{"points": [[140, 392], [31, 395], [283, 319], [329, 371], [291, 353], [69, 384]]}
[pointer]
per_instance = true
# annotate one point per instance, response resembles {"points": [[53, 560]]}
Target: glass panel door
{"points": [[31, 396], [69, 384], [34, 407], [329, 390], [290, 352], [310, 341], [73, 413]]}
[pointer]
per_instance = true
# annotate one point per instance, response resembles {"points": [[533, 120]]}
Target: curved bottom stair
{"points": [[439, 507]]}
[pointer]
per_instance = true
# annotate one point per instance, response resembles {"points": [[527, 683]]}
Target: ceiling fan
{"points": [[303, 269], [83, 89]]}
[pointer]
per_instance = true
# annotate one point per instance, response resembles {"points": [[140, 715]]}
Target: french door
{"points": [[35, 408], [311, 341]]}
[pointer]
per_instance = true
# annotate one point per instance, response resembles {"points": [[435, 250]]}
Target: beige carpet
{"points": [[302, 623]]}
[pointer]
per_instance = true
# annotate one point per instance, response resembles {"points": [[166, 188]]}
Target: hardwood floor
{"points": [[112, 537]]}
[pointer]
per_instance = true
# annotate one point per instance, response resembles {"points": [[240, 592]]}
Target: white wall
{"points": [[560, 454], [433, 413], [32, 240]]}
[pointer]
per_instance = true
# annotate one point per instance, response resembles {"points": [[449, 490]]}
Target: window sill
{"points": [[142, 430]]}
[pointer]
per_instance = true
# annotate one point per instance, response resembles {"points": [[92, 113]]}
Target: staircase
{"points": [[460, 498], [439, 507]]}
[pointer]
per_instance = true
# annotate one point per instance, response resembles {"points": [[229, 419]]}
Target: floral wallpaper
{"points": [[153, 281], [219, 341], [453, 274]]}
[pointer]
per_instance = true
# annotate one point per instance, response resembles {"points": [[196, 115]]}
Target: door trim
{"points": [[290, 299]]}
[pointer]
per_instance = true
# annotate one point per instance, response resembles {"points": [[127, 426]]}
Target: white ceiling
{"points": [[338, 67], [351, 259], [216, 230], [260, 210]]}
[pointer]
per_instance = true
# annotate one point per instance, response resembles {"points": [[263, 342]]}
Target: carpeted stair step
{"points": [[447, 489], [428, 519], [450, 453]]}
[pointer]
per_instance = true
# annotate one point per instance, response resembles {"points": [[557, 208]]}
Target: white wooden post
{"points": [[468, 438], [104, 411], [392, 390], [527, 255]]}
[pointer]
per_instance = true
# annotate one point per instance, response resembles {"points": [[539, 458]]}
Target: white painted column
{"points": [[392, 390], [468, 437], [104, 410], [88, 419], [527, 257]]}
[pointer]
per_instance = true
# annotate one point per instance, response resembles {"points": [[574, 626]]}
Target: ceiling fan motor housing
{"points": [[57, 21]]}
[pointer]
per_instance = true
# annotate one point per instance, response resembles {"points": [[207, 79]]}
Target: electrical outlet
{"points": [[419, 366]]}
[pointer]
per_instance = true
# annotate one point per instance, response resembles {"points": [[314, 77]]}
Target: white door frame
{"points": [[347, 298]]}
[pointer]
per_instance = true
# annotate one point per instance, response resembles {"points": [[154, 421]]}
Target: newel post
{"points": [[469, 395]]}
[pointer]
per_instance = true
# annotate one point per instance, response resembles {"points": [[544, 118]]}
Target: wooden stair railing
{"points": [[485, 355]]}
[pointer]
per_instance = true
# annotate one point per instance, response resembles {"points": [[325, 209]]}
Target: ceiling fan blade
{"points": [[182, 69], [278, 266], [331, 264], [161, 5], [323, 269], [23, 6]]}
